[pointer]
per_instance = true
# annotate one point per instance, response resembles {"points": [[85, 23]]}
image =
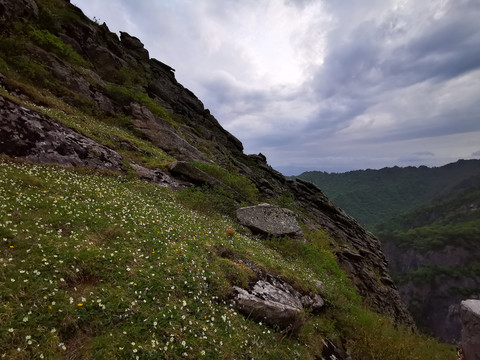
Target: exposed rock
{"points": [[18, 9], [134, 44], [470, 315], [106, 62], [161, 133], [434, 304], [189, 172], [276, 303], [36, 137], [159, 177], [270, 220], [331, 352]]}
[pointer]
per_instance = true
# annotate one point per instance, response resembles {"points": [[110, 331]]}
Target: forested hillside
{"points": [[375, 196]]}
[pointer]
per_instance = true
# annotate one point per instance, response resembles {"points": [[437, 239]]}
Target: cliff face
{"points": [[113, 79], [433, 284]]}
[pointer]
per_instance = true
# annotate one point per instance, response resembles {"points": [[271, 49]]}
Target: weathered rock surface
{"points": [[189, 172], [36, 137], [159, 177], [270, 220], [434, 304], [134, 44], [470, 315], [19, 8], [276, 303], [161, 133]]}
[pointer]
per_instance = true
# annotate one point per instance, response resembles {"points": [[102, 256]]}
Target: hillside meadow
{"points": [[96, 265]]}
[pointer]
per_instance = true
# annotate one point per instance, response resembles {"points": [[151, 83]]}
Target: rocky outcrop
{"points": [[270, 220], [161, 133], [36, 137], [276, 303], [159, 177], [189, 172], [433, 299], [134, 44], [470, 314], [18, 9]]}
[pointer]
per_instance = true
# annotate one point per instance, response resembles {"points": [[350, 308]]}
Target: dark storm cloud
{"points": [[377, 59]]}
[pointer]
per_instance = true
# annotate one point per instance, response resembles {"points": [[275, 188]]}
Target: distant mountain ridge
{"points": [[375, 196]]}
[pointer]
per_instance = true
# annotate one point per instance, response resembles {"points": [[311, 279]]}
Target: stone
{"points": [[189, 172], [38, 138], [276, 303], [270, 220], [158, 177], [470, 315], [107, 63]]}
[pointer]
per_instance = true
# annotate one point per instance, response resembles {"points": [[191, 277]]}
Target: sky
{"points": [[323, 85]]}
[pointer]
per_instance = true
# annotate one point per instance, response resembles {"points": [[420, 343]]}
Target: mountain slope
{"points": [[108, 264]]}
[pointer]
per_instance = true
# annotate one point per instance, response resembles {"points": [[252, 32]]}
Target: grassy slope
{"points": [[96, 266], [106, 267]]}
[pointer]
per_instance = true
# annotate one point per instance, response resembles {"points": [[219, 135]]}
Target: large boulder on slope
{"points": [[276, 303], [270, 220]]}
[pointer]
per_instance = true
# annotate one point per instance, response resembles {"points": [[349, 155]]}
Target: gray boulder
{"points": [[270, 220], [276, 303], [470, 315]]}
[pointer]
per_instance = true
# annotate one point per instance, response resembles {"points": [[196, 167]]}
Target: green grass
{"points": [[237, 183], [50, 42], [126, 95], [95, 266]]}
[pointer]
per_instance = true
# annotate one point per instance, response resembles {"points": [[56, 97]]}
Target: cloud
{"points": [[323, 84]]}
